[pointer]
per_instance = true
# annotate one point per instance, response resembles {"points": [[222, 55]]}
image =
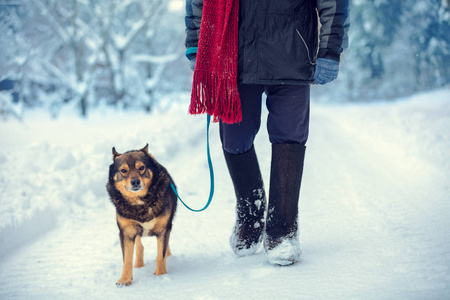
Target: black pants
{"points": [[287, 123]]}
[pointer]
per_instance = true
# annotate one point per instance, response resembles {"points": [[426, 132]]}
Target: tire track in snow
{"points": [[384, 200], [63, 261]]}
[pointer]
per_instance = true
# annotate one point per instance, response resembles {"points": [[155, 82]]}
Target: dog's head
{"points": [[132, 172]]}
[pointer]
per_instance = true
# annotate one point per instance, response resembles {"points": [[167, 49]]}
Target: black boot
{"points": [[281, 240], [251, 202]]}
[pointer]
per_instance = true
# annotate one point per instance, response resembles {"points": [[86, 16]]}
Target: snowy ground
{"points": [[373, 210]]}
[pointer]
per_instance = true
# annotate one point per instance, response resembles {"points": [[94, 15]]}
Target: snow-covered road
{"points": [[373, 209]]}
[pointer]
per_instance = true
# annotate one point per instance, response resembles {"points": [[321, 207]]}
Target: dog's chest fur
{"points": [[147, 227]]}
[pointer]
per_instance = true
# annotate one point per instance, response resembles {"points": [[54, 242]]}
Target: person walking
{"points": [[239, 50]]}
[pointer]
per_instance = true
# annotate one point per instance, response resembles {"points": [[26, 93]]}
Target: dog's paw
{"points": [[124, 282], [160, 271], [139, 264]]}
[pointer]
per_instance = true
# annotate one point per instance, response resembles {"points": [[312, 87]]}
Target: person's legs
{"points": [[288, 120], [240, 156], [287, 124], [238, 138]]}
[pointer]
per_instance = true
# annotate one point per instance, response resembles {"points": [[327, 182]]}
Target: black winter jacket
{"points": [[279, 40]]}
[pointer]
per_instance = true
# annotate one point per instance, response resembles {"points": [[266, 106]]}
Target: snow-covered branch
{"points": [[88, 51]]}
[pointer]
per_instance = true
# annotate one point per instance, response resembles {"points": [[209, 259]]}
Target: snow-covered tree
{"points": [[396, 48], [126, 53], [86, 52], [430, 39]]}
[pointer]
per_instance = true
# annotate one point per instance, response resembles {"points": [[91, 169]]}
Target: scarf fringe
{"points": [[216, 95]]}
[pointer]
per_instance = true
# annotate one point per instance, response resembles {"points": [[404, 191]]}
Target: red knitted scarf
{"points": [[214, 88]]}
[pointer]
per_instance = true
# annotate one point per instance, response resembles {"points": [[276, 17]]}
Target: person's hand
{"points": [[192, 63], [326, 70]]}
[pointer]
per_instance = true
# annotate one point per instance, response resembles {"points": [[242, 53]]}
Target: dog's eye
{"points": [[141, 168], [123, 171]]}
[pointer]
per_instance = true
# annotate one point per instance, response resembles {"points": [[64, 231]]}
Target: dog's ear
{"points": [[115, 153], [145, 150]]}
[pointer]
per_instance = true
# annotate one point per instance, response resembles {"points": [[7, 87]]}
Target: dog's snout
{"points": [[135, 182]]}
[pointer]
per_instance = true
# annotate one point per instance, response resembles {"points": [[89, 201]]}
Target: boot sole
{"points": [[286, 253], [243, 251]]}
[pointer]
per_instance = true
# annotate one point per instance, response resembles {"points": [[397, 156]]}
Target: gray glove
{"points": [[326, 70]]}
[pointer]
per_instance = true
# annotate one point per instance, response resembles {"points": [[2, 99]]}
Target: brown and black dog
{"points": [[139, 187]]}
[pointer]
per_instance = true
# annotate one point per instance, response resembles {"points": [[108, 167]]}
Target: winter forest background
{"points": [[78, 77], [86, 54]]}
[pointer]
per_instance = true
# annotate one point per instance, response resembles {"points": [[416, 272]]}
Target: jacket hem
{"points": [[275, 82]]}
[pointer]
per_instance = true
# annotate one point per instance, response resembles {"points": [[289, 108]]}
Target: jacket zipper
{"points": [[306, 46]]}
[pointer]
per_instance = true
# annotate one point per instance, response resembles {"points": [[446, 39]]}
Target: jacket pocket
{"points": [[311, 56], [285, 55]]}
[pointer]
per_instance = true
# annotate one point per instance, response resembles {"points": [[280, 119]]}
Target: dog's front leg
{"points": [[139, 253], [163, 251], [127, 244]]}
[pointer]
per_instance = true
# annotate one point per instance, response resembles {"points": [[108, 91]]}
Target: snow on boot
{"points": [[244, 170], [286, 253], [281, 239]]}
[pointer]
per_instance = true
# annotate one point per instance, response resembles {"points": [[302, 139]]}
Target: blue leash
{"points": [[211, 173]]}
